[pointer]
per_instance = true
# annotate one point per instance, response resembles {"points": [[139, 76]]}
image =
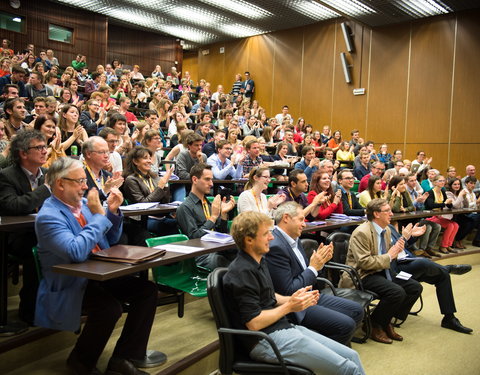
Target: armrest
{"points": [[261, 335], [352, 273], [328, 283]]}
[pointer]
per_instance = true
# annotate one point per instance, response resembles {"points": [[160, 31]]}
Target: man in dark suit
{"points": [[351, 206], [290, 269], [425, 270], [248, 86], [96, 156], [22, 192], [371, 253]]}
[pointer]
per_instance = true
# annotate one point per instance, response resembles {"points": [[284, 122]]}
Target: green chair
{"points": [[355, 186], [181, 277], [38, 267]]}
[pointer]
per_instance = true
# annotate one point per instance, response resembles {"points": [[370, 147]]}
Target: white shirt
{"points": [[294, 245], [116, 161]]}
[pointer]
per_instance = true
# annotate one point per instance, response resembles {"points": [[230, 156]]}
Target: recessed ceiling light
{"points": [[240, 7]]}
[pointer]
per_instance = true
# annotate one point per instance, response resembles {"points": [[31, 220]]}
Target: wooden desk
{"points": [[160, 209], [102, 270], [9, 224], [241, 182], [330, 224]]}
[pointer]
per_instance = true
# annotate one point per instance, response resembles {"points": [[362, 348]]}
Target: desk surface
{"points": [[102, 270]]}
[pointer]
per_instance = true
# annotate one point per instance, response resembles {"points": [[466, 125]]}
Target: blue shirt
{"points": [[306, 169], [222, 170]]}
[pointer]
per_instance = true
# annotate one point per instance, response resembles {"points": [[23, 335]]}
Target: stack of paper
{"points": [[139, 206], [217, 237]]}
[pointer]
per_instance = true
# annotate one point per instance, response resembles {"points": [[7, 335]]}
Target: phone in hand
{"points": [[225, 193]]}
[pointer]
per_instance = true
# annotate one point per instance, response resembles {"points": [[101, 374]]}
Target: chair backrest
{"points": [[309, 246], [220, 314], [156, 241], [340, 249], [36, 259]]}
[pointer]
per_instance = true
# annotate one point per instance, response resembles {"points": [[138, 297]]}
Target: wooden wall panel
{"points": [[438, 153], [260, 52], [349, 111], [462, 155], [287, 70], [465, 113], [236, 61], [430, 80], [142, 48], [90, 31], [211, 66], [387, 91], [190, 64], [319, 42]]}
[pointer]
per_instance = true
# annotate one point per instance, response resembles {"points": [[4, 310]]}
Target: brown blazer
{"points": [[363, 253]]}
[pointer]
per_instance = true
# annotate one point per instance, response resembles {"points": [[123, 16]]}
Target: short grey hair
{"points": [[324, 162], [60, 168], [287, 208], [89, 144]]}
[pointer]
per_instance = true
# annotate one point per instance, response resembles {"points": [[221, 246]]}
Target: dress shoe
{"points": [[120, 366], [78, 368], [443, 250], [379, 335], [459, 269], [152, 358], [459, 245], [421, 253], [454, 323], [431, 252], [452, 250], [392, 334]]}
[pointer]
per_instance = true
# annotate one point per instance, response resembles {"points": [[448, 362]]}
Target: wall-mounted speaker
{"points": [[348, 36], [346, 67]]}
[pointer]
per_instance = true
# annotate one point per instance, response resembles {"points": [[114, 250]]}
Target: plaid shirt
{"points": [[249, 163]]}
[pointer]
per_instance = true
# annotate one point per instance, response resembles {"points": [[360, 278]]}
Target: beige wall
{"points": [[421, 81]]}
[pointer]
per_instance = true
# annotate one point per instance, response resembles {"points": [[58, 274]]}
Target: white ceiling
{"points": [[200, 22]]}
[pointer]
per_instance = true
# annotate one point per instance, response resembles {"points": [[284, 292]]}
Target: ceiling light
{"points": [[240, 8], [350, 7], [240, 31], [187, 33], [313, 10], [423, 8], [194, 15], [16, 19]]}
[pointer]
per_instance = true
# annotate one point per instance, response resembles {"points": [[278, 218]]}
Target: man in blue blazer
{"points": [[290, 269], [69, 228]]}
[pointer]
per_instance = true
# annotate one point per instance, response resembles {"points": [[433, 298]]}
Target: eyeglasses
{"points": [[387, 210], [347, 178], [38, 148], [156, 138], [267, 177], [102, 152], [79, 181]]}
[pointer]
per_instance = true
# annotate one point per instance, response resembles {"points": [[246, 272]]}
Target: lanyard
{"points": [[96, 180], [148, 183], [206, 209], [257, 203]]}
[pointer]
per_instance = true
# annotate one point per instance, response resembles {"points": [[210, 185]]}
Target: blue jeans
{"points": [[306, 348]]}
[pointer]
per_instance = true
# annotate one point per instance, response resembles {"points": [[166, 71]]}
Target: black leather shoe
{"points": [[455, 324], [120, 366], [78, 368], [459, 269]]}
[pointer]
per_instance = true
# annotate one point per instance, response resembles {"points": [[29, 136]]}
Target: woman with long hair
{"points": [[253, 199], [141, 185], [281, 157], [437, 199], [162, 109], [345, 153], [373, 191], [398, 197], [153, 142], [466, 222], [48, 127], [77, 98], [335, 141], [106, 102], [321, 184], [72, 133]]}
